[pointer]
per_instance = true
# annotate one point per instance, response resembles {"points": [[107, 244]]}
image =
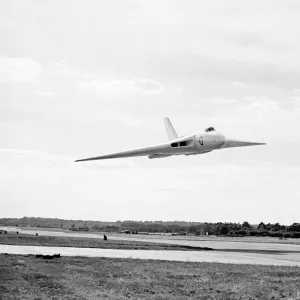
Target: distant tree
{"points": [[269, 226], [192, 229], [287, 235], [242, 232], [246, 225], [296, 235], [207, 228], [264, 233], [224, 230], [235, 226], [294, 227], [261, 226], [231, 233]]}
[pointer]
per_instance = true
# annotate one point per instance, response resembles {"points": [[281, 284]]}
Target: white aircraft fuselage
{"points": [[194, 144]]}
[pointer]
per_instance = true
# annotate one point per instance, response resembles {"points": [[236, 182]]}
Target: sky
{"points": [[86, 78]]}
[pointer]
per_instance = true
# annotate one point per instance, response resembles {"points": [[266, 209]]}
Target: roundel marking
{"points": [[201, 140]]}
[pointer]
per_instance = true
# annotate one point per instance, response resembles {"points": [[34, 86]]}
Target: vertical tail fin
{"points": [[171, 133]]}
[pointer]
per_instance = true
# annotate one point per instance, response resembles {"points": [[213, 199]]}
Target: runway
{"points": [[286, 259]]}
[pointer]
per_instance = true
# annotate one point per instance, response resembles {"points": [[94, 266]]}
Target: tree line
{"points": [[169, 227]]}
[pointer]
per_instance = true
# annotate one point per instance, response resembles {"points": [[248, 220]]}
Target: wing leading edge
{"points": [[150, 151]]}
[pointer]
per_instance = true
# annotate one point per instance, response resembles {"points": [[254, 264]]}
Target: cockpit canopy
{"points": [[209, 129]]}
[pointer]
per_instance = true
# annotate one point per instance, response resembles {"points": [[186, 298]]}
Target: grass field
{"points": [[27, 277], [25, 239]]}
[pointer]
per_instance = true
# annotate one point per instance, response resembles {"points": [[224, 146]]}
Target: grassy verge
{"points": [[24, 239], [26, 277], [84, 242]]}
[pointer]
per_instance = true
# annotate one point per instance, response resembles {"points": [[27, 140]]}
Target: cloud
{"points": [[247, 39], [44, 93], [62, 68], [122, 118], [262, 118], [238, 84], [223, 100], [136, 85], [189, 66], [43, 179], [116, 164], [61, 75], [19, 69], [19, 161], [262, 106]]}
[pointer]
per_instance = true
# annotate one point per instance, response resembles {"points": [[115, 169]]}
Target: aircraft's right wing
{"points": [[151, 151]]}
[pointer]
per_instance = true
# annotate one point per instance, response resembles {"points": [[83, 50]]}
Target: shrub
{"points": [[295, 235], [287, 235], [242, 232], [264, 233], [224, 230], [278, 233]]}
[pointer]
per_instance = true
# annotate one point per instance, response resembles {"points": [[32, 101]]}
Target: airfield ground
{"points": [[73, 277], [27, 277], [82, 242], [153, 238]]}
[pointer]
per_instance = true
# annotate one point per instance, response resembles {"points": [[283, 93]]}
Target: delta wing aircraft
{"points": [[201, 143]]}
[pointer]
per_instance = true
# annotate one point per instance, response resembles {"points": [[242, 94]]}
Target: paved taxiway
{"points": [[286, 259]]}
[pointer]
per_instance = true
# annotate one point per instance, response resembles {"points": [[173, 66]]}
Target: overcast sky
{"points": [[86, 78]]}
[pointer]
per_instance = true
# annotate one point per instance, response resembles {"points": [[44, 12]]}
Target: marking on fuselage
{"points": [[201, 140]]}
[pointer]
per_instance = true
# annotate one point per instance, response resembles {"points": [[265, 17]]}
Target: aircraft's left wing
{"points": [[151, 151]]}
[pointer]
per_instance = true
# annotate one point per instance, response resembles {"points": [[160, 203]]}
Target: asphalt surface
{"points": [[288, 259]]}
